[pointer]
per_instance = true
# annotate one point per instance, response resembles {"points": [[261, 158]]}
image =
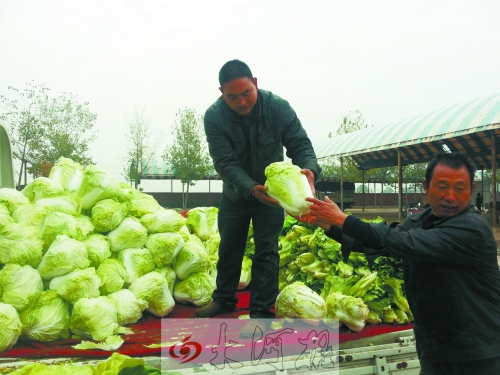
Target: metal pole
{"points": [[342, 183], [400, 187], [494, 178]]}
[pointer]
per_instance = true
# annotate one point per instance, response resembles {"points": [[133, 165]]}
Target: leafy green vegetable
{"points": [[108, 214], [163, 221], [12, 199], [96, 185], [98, 248], [113, 274], [153, 288], [46, 318], [63, 256], [351, 311], [67, 173], [111, 343], [67, 204], [5, 217], [129, 308], [192, 258], [289, 186], [18, 284], [95, 318], [203, 221], [80, 283], [164, 247], [137, 262], [10, 326], [59, 223], [297, 300], [130, 233], [196, 289], [246, 273], [29, 214], [42, 187], [20, 244]]}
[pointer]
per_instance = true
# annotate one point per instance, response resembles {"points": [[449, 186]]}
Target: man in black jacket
{"points": [[450, 268], [246, 130]]}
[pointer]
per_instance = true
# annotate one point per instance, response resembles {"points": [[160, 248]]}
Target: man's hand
{"points": [[324, 214], [260, 192], [310, 178]]}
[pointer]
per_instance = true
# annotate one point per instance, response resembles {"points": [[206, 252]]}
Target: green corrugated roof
{"points": [[464, 127]]}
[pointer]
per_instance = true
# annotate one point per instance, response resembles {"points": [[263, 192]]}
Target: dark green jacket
{"points": [[241, 152], [452, 282]]}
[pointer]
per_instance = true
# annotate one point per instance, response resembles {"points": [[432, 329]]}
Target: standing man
{"points": [[450, 267], [479, 201], [246, 130]]}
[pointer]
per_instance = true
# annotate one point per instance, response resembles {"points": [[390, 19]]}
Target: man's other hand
{"points": [[260, 192]]}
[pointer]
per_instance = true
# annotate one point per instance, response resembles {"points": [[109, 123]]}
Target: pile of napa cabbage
{"points": [[316, 284], [84, 256]]}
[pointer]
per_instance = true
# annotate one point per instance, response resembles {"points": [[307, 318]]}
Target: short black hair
{"points": [[453, 160], [232, 70]]}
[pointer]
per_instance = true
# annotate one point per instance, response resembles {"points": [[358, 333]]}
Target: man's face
{"points": [[449, 190], [240, 94]]}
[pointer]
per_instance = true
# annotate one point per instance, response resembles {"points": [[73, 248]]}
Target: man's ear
{"points": [[472, 187], [424, 185], [220, 89], [255, 82]]}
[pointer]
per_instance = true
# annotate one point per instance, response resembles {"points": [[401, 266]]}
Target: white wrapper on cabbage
{"points": [[289, 187]]}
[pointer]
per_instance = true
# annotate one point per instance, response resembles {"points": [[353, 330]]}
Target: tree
{"points": [[142, 146], [188, 155], [349, 123], [44, 129]]}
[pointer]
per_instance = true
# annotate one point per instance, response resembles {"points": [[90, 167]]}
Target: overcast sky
{"points": [[388, 59]]}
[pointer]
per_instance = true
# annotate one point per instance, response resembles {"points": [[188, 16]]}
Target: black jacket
{"points": [[452, 282], [241, 150]]}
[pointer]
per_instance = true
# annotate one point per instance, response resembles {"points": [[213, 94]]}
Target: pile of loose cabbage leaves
{"points": [[316, 284], [83, 255]]}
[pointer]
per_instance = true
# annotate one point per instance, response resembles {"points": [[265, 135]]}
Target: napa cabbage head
{"points": [[163, 221], [80, 283], [5, 217], [153, 288], [65, 203], [42, 187], [19, 284], [30, 214], [63, 256], [129, 308], [289, 187], [108, 214], [196, 289], [351, 311], [169, 274], [246, 273], [141, 204], [164, 247], [47, 318], [137, 262], [96, 318], [20, 244], [130, 233], [67, 173], [298, 301], [98, 248], [97, 184], [10, 326], [59, 223], [12, 199], [192, 258], [203, 221], [113, 274]]}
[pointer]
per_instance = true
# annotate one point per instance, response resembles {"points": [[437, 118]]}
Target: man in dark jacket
{"points": [[246, 130], [450, 267]]}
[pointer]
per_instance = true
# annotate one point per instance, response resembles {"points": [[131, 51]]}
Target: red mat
{"points": [[179, 325]]}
